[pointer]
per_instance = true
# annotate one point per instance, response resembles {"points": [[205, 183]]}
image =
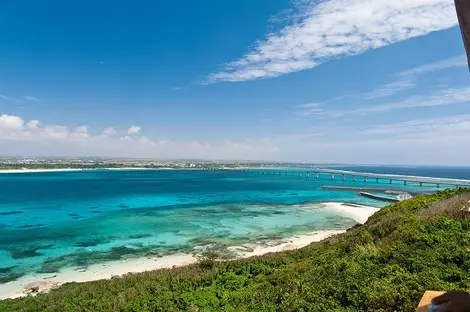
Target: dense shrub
{"points": [[384, 265]]}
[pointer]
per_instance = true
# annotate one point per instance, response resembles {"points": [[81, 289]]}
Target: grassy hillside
{"points": [[384, 265]]}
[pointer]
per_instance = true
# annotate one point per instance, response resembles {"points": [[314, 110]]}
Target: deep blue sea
{"points": [[53, 220]]}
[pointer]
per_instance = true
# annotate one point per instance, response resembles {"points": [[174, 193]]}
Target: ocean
{"points": [[55, 220]]}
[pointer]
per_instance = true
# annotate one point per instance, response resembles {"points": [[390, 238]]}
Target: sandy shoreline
{"points": [[76, 169], [44, 282], [359, 213], [38, 170]]}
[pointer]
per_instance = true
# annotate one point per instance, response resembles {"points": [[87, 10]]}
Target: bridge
{"points": [[333, 174], [394, 177]]}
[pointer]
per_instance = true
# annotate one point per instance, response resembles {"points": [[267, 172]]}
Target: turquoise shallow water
{"points": [[53, 220]]}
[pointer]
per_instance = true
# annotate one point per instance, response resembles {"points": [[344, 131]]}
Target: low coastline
{"points": [[43, 282], [39, 170], [75, 169]]}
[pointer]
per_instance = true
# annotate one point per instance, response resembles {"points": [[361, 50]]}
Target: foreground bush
{"points": [[384, 265]]}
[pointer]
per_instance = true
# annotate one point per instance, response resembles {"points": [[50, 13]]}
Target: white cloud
{"points": [[126, 138], [442, 140], [134, 130], [333, 29], [61, 141], [33, 124], [81, 129], [145, 140], [11, 123], [54, 133], [31, 98], [81, 132], [109, 131]]}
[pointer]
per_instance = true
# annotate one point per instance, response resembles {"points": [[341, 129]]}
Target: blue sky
{"points": [[356, 81]]}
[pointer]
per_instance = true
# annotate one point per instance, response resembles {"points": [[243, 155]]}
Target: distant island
{"points": [[43, 163], [384, 265]]}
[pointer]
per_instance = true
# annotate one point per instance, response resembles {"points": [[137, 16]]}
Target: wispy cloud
{"points": [[320, 112], [407, 79], [389, 89], [322, 103], [31, 98], [12, 99], [451, 96], [439, 98], [312, 109], [458, 61], [9, 98], [427, 128], [333, 29], [403, 80], [317, 109]]}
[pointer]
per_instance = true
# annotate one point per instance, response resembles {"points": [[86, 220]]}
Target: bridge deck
{"points": [[308, 172], [444, 181]]}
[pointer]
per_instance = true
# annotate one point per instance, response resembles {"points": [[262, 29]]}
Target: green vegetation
{"points": [[384, 265]]}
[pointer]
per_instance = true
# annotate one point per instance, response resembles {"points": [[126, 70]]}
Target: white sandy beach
{"points": [[38, 170], [45, 282], [291, 243], [24, 170], [359, 213], [106, 270]]}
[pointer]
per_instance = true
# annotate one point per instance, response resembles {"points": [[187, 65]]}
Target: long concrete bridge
{"points": [[394, 177], [319, 173]]}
